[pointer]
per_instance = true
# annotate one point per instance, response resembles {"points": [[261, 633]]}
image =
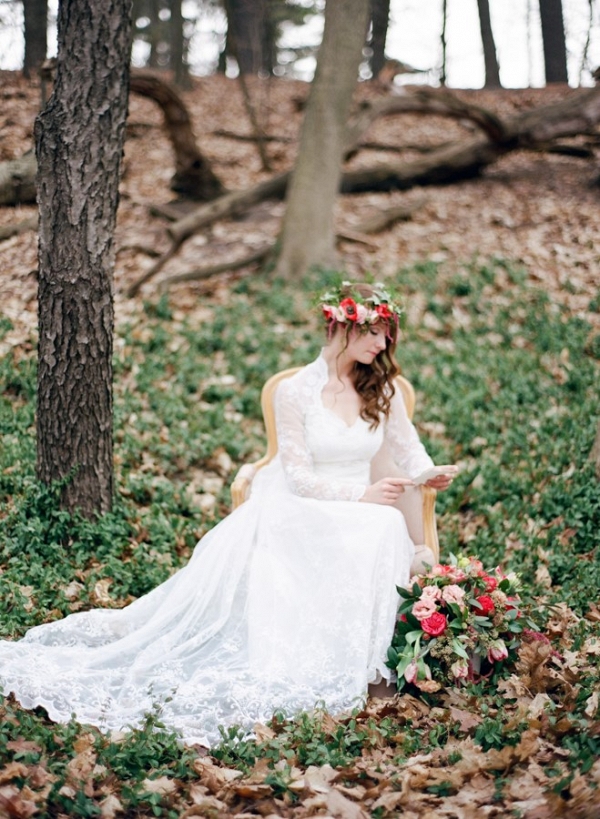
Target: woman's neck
{"points": [[339, 364]]}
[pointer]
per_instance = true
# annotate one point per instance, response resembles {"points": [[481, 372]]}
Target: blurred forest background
{"points": [[243, 187]]}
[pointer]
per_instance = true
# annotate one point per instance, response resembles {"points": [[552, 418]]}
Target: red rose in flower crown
{"points": [[384, 311], [435, 624], [457, 623], [349, 309]]}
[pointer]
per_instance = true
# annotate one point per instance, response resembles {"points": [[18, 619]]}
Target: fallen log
{"points": [[7, 231], [578, 114], [193, 176], [199, 273], [386, 218], [17, 180]]}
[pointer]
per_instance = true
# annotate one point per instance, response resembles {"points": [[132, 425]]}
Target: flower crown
{"points": [[346, 306]]}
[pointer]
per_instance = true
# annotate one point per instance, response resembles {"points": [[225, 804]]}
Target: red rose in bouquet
{"points": [[435, 624]]}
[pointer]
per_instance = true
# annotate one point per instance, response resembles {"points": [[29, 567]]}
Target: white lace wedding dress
{"points": [[287, 603]]}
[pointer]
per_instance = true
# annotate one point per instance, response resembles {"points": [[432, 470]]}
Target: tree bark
{"points": [[308, 236], [79, 143], [380, 17], [553, 37], [492, 69], [35, 15], [194, 176]]}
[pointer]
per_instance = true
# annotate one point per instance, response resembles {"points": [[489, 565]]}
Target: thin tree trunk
{"points": [[595, 452], [553, 37], [79, 142], [35, 14], [444, 42], [492, 69], [178, 51], [308, 236], [246, 23], [380, 17]]}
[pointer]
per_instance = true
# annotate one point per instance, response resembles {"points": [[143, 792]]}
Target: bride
{"points": [[288, 602]]}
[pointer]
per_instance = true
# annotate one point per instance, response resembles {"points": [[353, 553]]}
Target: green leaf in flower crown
{"points": [[393, 657]]}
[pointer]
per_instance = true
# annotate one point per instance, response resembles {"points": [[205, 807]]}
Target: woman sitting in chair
{"points": [[288, 602]]}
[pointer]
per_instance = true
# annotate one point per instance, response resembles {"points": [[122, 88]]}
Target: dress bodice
{"points": [[339, 451]]}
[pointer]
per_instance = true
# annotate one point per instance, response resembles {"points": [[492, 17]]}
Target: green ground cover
{"points": [[508, 385]]}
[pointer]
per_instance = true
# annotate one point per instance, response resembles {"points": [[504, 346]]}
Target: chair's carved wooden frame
{"points": [[243, 480]]}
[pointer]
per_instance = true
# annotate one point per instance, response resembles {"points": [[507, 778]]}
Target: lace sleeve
{"points": [[295, 455], [402, 441]]}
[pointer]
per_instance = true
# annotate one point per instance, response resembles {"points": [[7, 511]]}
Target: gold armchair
{"points": [[243, 480]]}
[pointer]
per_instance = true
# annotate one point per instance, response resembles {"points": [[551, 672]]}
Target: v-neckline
{"points": [[339, 417]]}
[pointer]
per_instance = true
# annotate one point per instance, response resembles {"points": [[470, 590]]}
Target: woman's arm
{"points": [[295, 456], [402, 441]]}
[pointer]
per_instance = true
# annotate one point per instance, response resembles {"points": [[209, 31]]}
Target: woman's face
{"points": [[364, 347]]}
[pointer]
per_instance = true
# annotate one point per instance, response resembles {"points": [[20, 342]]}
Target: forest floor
{"points": [[500, 276]]}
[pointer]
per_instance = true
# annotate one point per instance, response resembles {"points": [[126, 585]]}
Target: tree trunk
{"points": [[553, 37], [178, 49], [492, 69], [444, 43], [35, 13], [194, 176], [246, 22], [308, 236], [79, 142], [380, 17]]}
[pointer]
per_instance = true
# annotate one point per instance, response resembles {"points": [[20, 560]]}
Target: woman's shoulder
{"points": [[305, 380]]}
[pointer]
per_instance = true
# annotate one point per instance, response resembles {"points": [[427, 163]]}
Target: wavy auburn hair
{"points": [[373, 382]]}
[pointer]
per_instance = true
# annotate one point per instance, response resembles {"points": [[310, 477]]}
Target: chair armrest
{"points": [[429, 527], [241, 484]]}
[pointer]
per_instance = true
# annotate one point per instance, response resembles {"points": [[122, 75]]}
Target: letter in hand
{"points": [[386, 491], [438, 477]]}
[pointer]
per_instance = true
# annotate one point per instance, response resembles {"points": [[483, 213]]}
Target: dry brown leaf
{"points": [[341, 807], [13, 805], [163, 785], [466, 719], [12, 771], [110, 807]]}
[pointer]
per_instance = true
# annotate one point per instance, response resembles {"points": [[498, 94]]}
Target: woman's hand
{"points": [[440, 482], [385, 491]]}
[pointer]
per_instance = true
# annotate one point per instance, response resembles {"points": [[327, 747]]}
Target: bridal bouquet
{"points": [[457, 622]]}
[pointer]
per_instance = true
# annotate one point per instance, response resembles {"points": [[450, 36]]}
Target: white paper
{"points": [[433, 472]]}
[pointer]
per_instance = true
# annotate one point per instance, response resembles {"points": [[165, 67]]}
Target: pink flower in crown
{"points": [[424, 608], [453, 594], [497, 651], [361, 313], [329, 312], [431, 593], [372, 316], [339, 314]]}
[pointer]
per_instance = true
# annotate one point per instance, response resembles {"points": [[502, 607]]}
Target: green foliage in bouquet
{"points": [[458, 622]]}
